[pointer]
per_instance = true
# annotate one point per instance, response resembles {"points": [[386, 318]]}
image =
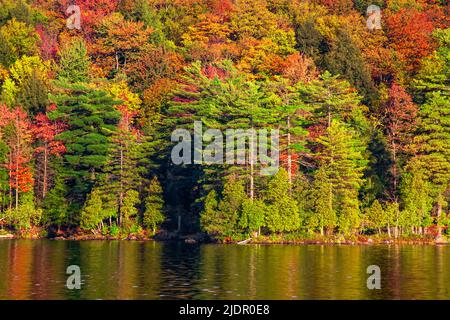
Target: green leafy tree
{"points": [[17, 39], [220, 217], [129, 209], [209, 217], [342, 157], [323, 215], [154, 203], [92, 214], [282, 211], [416, 199], [74, 62], [376, 215], [55, 205], [91, 118], [252, 215]]}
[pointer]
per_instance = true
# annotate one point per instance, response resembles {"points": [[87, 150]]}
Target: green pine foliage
{"points": [[363, 118], [154, 204]]}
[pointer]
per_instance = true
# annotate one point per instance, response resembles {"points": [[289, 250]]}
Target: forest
{"points": [[87, 113]]}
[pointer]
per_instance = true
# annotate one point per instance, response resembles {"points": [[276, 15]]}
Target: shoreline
{"points": [[198, 239]]}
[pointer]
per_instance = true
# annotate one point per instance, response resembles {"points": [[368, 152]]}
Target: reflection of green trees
{"points": [[150, 270], [120, 270]]}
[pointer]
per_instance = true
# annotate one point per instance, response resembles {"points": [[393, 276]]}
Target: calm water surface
{"points": [[148, 270]]}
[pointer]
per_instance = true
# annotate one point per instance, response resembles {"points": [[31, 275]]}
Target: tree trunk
{"points": [[439, 213], [10, 179], [252, 187], [394, 168], [289, 157], [17, 160], [119, 217], [44, 183]]}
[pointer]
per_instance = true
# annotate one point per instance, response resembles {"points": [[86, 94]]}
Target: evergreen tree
{"points": [[55, 204], [74, 62], [252, 216], [92, 214], [344, 163], [345, 59], [282, 213], [323, 215], [376, 215], [209, 217], [129, 210], [90, 117], [220, 217], [154, 203], [416, 199], [332, 98]]}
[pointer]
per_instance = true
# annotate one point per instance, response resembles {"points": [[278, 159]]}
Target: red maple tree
{"points": [[44, 131]]}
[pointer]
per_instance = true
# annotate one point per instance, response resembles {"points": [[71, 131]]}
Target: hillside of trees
{"points": [[86, 117]]}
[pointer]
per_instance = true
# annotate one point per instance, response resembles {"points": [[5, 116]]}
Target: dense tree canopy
{"points": [[87, 117]]}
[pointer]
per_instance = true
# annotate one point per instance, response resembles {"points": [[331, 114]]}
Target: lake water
{"points": [[36, 269]]}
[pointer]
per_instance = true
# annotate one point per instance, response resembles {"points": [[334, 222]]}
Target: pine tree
{"points": [[331, 98], [129, 210], [74, 62], [375, 215], [209, 217], [433, 136], [344, 58], [344, 163], [55, 205], [154, 203], [252, 216], [282, 211], [92, 214], [91, 118], [323, 215], [416, 199]]}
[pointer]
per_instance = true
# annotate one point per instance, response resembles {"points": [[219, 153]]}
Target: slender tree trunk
{"points": [[44, 183], [10, 179], [17, 160], [394, 168], [252, 187], [289, 157], [119, 220], [439, 213]]}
